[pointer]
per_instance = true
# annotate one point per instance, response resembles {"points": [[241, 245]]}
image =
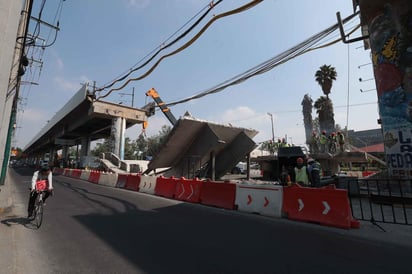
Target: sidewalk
{"points": [[6, 196]]}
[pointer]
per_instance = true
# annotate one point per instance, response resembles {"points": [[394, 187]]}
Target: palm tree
{"points": [[307, 117], [324, 109], [325, 76]]}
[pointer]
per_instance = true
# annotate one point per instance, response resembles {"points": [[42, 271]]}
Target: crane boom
{"points": [[166, 111]]}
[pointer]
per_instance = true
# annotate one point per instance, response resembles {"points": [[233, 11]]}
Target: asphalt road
{"points": [[94, 229]]}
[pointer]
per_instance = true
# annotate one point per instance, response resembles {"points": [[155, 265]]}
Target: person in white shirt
{"points": [[43, 174]]}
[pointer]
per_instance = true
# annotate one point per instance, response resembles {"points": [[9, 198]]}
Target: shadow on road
{"points": [[13, 220]]}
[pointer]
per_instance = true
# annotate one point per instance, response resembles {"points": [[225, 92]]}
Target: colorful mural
{"points": [[391, 44]]}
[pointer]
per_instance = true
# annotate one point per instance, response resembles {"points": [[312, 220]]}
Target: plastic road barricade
{"points": [[263, 199], [148, 184], [165, 187], [94, 177], [108, 179], [121, 180], [221, 195], [132, 182], [76, 173], [326, 206], [66, 172], [58, 171], [85, 175], [188, 190]]}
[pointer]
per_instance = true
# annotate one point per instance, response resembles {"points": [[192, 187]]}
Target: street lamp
{"points": [[273, 130]]}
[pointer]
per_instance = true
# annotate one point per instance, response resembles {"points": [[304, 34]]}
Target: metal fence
{"points": [[380, 200]]}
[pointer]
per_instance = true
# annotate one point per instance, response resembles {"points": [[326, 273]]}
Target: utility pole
{"points": [[273, 130], [130, 94]]}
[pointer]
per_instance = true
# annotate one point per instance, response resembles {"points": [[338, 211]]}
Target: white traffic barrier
{"points": [[85, 175], [108, 179], [266, 200], [147, 184]]}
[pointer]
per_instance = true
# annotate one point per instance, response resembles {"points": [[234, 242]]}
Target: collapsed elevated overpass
{"points": [[82, 120], [197, 148]]}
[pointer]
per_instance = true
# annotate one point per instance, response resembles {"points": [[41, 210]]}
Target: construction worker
{"points": [[315, 170], [314, 147], [300, 173], [285, 177], [323, 140], [332, 142], [279, 143], [341, 141], [284, 143]]}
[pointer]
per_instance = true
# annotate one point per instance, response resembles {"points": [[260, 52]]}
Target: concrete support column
{"points": [[84, 152], [122, 138], [85, 147], [52, 151], [118, 136], [390, 31], [65, 155]]}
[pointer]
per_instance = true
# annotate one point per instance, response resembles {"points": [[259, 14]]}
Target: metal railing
{"points": [[380, 200]]}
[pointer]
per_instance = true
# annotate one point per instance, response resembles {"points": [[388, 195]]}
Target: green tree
{"points": [[141, 147], [100, 148], [154, 143], [325, 77], [307, 117], [129, 149], [324, 109]]}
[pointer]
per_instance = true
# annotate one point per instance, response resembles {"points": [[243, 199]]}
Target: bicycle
{"points": [[38, 209], [40, 190]]}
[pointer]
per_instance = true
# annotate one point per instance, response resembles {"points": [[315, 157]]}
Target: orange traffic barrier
{"points": [[132, 182], [121, 180], [188, 190], [326, 206], [166, 187], [221, 195]]}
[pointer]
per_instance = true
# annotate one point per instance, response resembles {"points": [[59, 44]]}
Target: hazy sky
{"points": [[100, 40]]}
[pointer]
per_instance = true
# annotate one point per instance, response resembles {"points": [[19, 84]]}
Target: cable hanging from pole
{"points": [[162, 46], [268, 65], [215, 18]]}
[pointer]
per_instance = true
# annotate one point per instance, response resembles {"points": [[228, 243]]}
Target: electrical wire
{"points": [[217, 17], [161, 48], [268, 65]]}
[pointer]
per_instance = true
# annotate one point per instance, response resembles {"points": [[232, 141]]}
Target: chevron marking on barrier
{"points": [[327, 207], [301, 204], [266, 202], [191, 194], [183, 191], [249, 199]]}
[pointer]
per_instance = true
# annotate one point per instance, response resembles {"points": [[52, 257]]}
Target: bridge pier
{"points": [[118, 136]]}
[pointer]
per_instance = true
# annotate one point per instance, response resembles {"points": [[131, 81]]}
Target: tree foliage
{"points": [[307, 116], [325, 77], [139, 149], [324, 109]]}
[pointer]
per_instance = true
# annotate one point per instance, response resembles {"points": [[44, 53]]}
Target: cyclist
{"points": [[44, 173]]}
